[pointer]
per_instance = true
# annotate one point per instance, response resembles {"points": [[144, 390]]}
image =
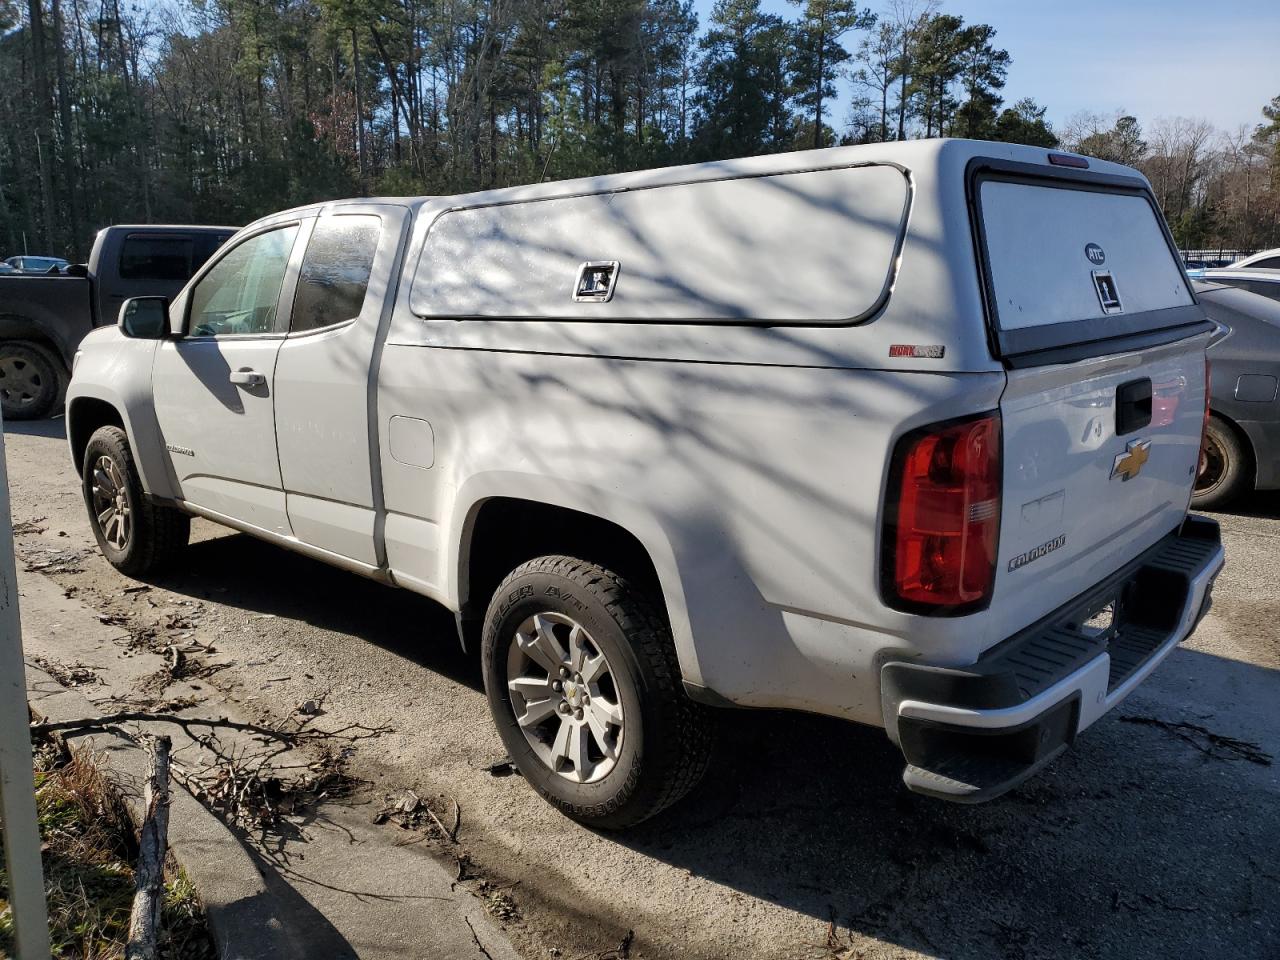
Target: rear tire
{"points": [[565, 631], [136, 536], [31, 380], [1224, 474]]}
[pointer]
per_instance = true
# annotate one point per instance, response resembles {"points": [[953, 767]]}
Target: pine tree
{"points": [[820, 52]]}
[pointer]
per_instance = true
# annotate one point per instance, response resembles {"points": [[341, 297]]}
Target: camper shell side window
{"points": [[810, 247]]}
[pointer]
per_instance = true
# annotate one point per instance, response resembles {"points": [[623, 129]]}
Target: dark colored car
{"points": [[29, 264], [44, 317], [1242, 441], [1260, 280]]}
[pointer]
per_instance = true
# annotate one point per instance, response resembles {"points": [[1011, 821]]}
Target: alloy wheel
{"points": [[111, 503], [565, 698]]}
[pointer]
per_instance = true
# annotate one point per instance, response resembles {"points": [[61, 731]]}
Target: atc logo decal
{"points": [[1095, 254]]}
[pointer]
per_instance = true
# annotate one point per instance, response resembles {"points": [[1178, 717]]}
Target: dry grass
{"points": [[88, 850]]}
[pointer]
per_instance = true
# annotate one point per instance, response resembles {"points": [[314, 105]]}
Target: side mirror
{"points": [[77, 270], [145, 318]]}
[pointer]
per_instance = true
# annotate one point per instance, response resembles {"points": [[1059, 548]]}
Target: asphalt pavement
{"points": [[1155, 836]]}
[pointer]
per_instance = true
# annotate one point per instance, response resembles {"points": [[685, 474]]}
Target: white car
{"points": [[866, 432], [1265, 260]]}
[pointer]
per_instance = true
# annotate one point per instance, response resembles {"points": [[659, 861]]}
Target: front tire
{"points": [[31, 380], [136, 536], [583, 684], [1224, 470]]}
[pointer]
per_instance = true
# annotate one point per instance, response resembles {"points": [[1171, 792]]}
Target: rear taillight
{"points": [[943, 517]]}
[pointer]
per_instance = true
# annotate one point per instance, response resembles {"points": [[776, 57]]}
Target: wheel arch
{"points": [[19, 327], [1246, 444], [85, 416], [91, 404], [625, 539]]}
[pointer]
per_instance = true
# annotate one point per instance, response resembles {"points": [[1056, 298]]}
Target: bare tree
{"points": [[909, 17], [1179, 157], [879, 56]]}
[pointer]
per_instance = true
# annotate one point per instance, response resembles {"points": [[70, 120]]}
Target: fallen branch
{"points": [[241, 783], [479, 945], [139, 716], [148, 898]]}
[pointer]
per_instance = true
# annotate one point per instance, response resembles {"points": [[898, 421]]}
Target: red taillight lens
{"points": [[944, 517]]}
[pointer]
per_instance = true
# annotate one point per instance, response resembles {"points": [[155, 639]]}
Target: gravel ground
{"points": [[1154, 837]]}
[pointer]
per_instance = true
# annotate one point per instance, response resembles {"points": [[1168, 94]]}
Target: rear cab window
{"points": [[1070, 260], [155, 256], [146, 256], [335, 271]]}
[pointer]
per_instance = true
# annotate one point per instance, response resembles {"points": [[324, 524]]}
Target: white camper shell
{"points": [[904, 434]]}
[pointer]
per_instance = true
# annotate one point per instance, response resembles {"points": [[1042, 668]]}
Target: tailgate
{"points": [[1099, 461], [1103, 411]]}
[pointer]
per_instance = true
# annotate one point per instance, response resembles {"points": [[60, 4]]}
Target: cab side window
{"points": [[240, 294], [335, 271], [144, 257]]}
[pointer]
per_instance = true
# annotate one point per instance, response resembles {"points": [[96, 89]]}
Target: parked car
{"points": [[1264, 282], [1242, 439], [26, 264], [1265, 260], [43, 318], [663, 445]]}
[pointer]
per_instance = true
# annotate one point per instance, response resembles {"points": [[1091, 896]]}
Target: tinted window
{"points": [[240, 293], [145, 257], [1266, 288], [335, 271], [205, 246], [1271, 263]]}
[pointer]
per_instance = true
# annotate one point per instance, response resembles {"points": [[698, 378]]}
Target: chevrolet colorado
{"points": [[867, 432]]}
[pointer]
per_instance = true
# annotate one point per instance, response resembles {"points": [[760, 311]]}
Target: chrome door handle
{"points": [[247, 378]]}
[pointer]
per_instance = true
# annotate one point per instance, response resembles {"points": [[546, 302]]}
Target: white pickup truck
{"points": [[903, 434]]}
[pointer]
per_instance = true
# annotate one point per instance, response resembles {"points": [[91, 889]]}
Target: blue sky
{"points": [[1219, 61]]}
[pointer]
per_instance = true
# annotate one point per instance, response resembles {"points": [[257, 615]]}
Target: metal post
{"points": [[17, 786]]}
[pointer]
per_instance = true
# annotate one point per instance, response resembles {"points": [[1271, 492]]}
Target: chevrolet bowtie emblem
{"points": [[1129, 464]]}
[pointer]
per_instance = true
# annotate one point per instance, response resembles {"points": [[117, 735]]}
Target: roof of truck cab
{"points": [[170, 227], [910, 155]]}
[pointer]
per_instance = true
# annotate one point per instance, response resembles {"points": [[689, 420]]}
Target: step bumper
{"points": [[971, 733]]}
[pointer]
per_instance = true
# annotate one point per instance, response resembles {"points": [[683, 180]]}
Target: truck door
{"points": [[213, 387], [325, 374]]}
